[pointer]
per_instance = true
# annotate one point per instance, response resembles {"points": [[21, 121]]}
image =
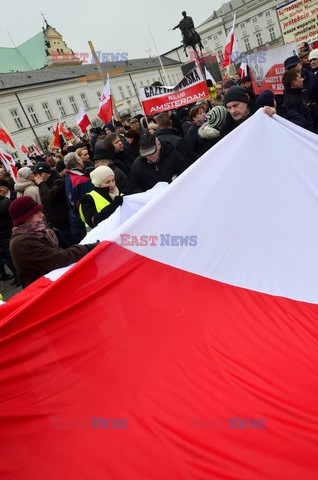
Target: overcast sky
{"points": [[113, 26]]}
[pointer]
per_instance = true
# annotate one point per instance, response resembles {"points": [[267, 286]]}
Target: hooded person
{"points": [[101, 157], [216, 119], [34, 247], [25, 185], [103, 200]]}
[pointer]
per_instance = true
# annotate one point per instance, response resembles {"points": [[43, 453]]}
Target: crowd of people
{"points": [[48, 210]]}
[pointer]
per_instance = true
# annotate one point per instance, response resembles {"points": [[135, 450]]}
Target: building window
{"points": [[121, 93], [15, 155], [215, 37], [32, 113], [259, 39], [242, 25], [221, 56], [47, 111], [272, 33], [247, 44], [73, 103], [148, 81], [268, 13], [254, 19], [61, 107], [84, 100], [129, 91], [16, 118], [98, 95], [205, 42]]}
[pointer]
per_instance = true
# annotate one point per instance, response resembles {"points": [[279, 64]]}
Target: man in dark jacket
{"points": [[293, 98], [310, 85], [158, 162], [54, 201], [118, 151], [239, 109], [166, 133]]}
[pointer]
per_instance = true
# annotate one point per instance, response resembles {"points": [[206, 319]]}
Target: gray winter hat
{"points": [[24, 172], [216, 116]]}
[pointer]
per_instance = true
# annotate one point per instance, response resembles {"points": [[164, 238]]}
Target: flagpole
{"points": [[159, 58]]}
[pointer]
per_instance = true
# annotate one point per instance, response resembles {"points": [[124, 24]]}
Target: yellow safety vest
{"points": [[100, 203]]}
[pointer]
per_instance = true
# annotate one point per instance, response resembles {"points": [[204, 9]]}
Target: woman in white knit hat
{"points": [[103, 200], [25, 186]]}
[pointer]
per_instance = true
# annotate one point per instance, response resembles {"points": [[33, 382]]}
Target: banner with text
{"points": [[268, 74], [160, 99], [299, 21]]}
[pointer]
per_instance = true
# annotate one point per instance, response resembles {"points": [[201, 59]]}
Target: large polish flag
{"points": [[230, 45], [189, 356], [82, 120], [105, 111]]}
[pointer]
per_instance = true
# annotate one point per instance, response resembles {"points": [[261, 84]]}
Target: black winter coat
{"points": [[145, 175], [54, 201], [293, 101], [5, 222], [122, 160], [170, 135], [197, 145]]}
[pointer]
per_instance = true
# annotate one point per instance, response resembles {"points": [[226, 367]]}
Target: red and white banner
{"points": [[267, 70], [189, 90], [82, 120], [207, 372], [105, 111]]}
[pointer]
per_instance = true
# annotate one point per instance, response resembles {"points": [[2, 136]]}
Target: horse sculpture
{"points": [[191, 38]]}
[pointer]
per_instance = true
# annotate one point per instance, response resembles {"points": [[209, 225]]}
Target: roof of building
{"points": [[30, 55], [59, 73], [224, 9]]}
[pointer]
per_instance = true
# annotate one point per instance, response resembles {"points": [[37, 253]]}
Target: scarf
{"points": [[198, 123], [39, 230], [115, 194]]}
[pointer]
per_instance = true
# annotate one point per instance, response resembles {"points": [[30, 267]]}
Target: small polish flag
{"points": [[8, 163], [82, 120], [23, 148], [56, 141], [229, 45], [105, 111], [64, 131], [208, 76], [5, 136], [243, 69], [28, 161], [36, 149]]}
